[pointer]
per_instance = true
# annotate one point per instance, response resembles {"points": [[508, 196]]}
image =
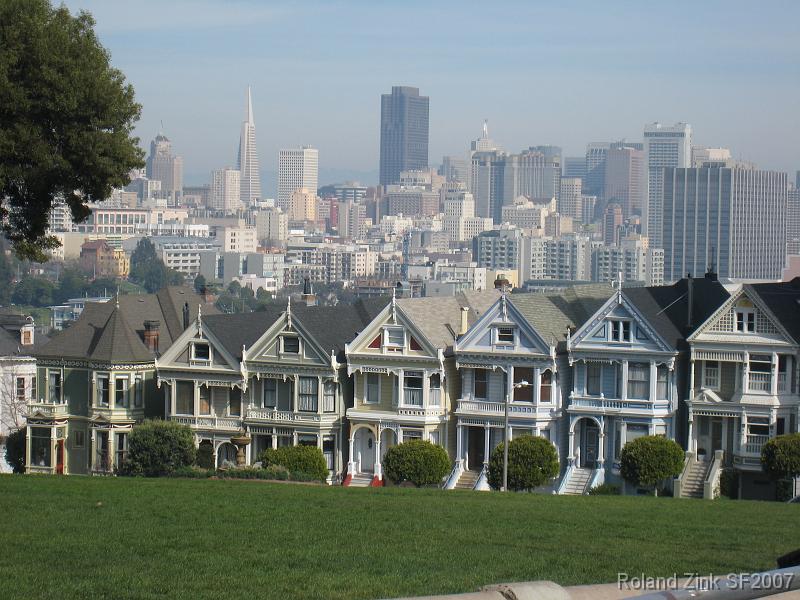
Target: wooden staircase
{"points": [[467, 480], [578, 482], [693, 482]]}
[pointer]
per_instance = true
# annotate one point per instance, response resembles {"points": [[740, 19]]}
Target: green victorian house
{"points": [[97, 379]]}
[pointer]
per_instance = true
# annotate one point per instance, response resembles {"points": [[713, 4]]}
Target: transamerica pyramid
{"points": [[247, 161]]}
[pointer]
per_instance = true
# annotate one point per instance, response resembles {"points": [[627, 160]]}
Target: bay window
{"points": [[138, 392], [184, 398], [523, 393], [372, 388], [103, 392], [20, 389], [54, 387], [662, 383], [41, 446], [121, 392], [711, 374], [235, 402], [593, 377], [329, 396], [270, 393], [308, 394], [546, 386], [412, 394], [435, 390], [638, 380]]}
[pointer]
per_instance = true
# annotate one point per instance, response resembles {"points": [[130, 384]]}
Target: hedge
{"points": [[532, 461], [651, 459], [15, 450], [417, 461], [158, 448], [297, 459]]}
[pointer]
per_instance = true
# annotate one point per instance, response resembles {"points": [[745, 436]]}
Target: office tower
{"points": [[162, 166], [588, 205], [732, 219], [303, 205], [487, 181], [297, 168], [350, 190], [483, 143], [225, 194], [247, 161], [797, 180], [594, 180], [272, 226], [574, 166], [536, 173], [404, 133], [623, 179], [569, 198], [793, 221], [454, 168], [612, 223], [702, 155], [664, 147]]}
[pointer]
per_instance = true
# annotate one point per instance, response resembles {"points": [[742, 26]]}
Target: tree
{"points": [[650, 459], [72, 284], [66, 121], [34, 291], [532, 461], [158, 448], [417, 461], [15, 450], [13, 406], [149, 271], [200, 283], [780, 456], [263, 295], [235, 288]]}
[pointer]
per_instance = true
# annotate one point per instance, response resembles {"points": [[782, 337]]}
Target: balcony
{"points": [[208, 422], [758, 381], [599, 404], [497, 409], [48, 410], [286, 416]]}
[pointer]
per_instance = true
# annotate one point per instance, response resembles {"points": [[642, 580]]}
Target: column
{"points": [[28, 461], [400, 399], [692, 443], [320, 398], [110, 460], [571, 457], [691, 381], [537, 385], [773, 380], [555, 391], [196, 399], [295, 392], [601, 446], [486, 443], [274, 438], [653, 381], [745, 370], [378, 471], [426, 386], [459, 442], [623, 388], [623, 434]]}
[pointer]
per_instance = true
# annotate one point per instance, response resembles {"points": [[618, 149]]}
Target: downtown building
{"points": [[732, 219], [247, 160], [165, 167], [404, 133], [298, 168]]}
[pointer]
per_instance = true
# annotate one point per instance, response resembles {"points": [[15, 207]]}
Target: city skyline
{"points": [[736, 91]]}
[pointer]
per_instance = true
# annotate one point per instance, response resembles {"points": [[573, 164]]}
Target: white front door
{"points": [[366, 451]]}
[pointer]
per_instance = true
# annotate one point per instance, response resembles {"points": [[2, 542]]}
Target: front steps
{"points": [[467, 480], [578, 482], [693, 483]]}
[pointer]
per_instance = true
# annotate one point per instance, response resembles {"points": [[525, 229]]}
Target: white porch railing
{"points": [[711, 488], [600, 403], [753, 443], [47, 409], [266, 414], [229, 423], [562, 486], [480, 407], [455, 473], [412, 411], [758, 382], [412, 397]]}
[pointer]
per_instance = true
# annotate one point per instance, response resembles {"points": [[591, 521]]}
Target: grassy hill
{"points": [[123, 538]]}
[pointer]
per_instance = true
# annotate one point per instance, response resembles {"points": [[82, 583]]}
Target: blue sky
{"points": [[564, 73]]}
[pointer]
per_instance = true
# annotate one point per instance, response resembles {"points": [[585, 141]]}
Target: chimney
{"points": [[151, 335], [689, 299], [185, 316], [464, 321]]}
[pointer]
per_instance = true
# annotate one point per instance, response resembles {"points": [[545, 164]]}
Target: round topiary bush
{"points": [[205, 455], [650, 459], [15, 450], [157, 448], [532, 461], [417, 461], [308, 460], [780, 456]]}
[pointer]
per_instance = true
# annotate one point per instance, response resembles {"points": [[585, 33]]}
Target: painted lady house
{"points": [[404, 377], [744, 384], [277, 375], [96, 380]]}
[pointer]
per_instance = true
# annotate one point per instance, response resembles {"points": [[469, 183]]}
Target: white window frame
{"points": [[711, 382], [194, 352], [264, 393], [392, 346], [617, 328], [299, 345], [60, 398], [366, 399], [138, 391], [496, 335], [126, 387], [107, 378], [748, 320]]}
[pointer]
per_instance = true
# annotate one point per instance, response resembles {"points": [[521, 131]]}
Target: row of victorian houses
{"points": [[714, 367]]}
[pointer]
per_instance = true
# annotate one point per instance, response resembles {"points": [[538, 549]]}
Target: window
{"points": [[33, 388], [54, 385], [593, 372], [505, 335], [435, 390], [481, 383], [138, 392], [205, 400], [235, 402], [121, 392], [184, 398], [546, 387], [329, 396], [201, 351], [372, 391], [270, 393], [635, 431], [758, 425], [291, 344], [638, 380], [745, 320], [41, 447], [434, 437], [411, 434], [394, 338], [103, 390], [78, 440], [308, 394], [662, 383], [121, 448], [523, 393], [20, 389], [621, 331], [711, 374], [412, 394]]}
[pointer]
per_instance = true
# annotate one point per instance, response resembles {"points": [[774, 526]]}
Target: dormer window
{"points": [[290, 344], [394, 338], [620, 331], [201, 351], [745, 320]]}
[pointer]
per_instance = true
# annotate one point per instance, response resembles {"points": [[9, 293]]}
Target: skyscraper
{"points": [[569, 198], [247, 161], [663, 147], [225, 192], [297, 168], [404, 133], [164, 167], [624, 178], [594, 180], [733, 219]]}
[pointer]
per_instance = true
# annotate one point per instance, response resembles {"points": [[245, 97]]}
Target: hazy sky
{"points": [[563, 73]]}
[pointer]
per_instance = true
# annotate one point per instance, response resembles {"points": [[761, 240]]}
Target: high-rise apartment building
{"points": [[664, 147], [225, 193], [612, 224], [247, 161], [297, 168], [793, 221], [163, 166], [624, 179], [731, 219], [272, 225], [569, 198], [303, 205], [404, 133]]}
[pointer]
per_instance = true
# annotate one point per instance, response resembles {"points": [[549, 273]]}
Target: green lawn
{"points": [[165, 538]]}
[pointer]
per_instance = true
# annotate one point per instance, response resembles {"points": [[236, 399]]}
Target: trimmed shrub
{"points": [[417, 461], [15, 450], [532, 461], [780, 456], [157, 448], [205, 456], [297, 459], [605, 489], [729, 483], [193, 472], [650, 459]]}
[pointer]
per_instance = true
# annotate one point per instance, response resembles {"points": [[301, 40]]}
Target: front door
{"points": [[591, 443], [476, 440], [60, 457], [366, 451], [716, 435]]}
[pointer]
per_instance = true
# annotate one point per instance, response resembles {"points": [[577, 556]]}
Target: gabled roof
{"points": [[239, 330], [11, 325], [783, 301]]}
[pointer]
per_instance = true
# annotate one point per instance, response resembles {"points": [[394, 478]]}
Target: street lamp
{"points": [[515, 386]]}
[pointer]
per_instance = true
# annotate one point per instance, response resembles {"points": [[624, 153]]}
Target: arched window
{"points": [[546, 387]]}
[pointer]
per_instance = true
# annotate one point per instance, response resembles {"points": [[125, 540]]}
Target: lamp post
{"points": [[515, 386]]}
